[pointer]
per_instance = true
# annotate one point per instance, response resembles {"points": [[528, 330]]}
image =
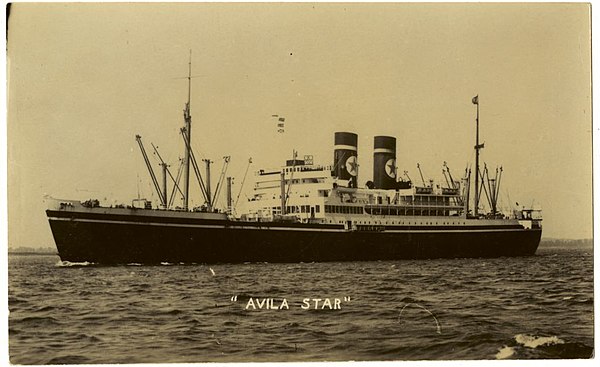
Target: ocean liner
{"points": [[301, 212]]}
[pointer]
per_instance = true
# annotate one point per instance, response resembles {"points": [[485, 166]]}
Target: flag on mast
{"points": [[280, 123], [475, 99]]}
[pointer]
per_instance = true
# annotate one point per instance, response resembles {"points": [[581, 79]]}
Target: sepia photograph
{"points": [[299, 182]]}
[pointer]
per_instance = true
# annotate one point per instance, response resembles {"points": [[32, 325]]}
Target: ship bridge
{"points": [[299, 188]]}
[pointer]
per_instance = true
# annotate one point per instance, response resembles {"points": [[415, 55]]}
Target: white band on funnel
{"points": [[345, 147]]}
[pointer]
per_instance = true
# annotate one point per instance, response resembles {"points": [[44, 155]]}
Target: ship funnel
{"points": [[345, 164], [384, 162]]}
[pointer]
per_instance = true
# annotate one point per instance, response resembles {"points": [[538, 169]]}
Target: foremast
{"points": [[478, 146], [187, 135]]}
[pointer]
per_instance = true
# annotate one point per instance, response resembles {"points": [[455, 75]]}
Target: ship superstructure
{"points": [[303, 192]]}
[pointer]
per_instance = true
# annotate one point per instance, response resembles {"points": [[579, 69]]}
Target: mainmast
{"points": [[188, 138], [478, 146]]}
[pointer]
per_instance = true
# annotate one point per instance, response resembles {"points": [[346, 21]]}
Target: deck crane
{"points": [[450, 175], [467, 189], [209, 197], [493, 188], [138, 138], [455, 185], [243, 181], [497, 193], [421, 173], [166, 171], [485, 177], [286, 193], [195, 165], [176, 185], [221, 178], [446, 177], [491, 182]]}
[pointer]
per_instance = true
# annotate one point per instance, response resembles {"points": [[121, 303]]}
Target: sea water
{"points": [[505, 308]]}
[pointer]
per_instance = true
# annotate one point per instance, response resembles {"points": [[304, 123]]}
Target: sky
{"points": [[84, 79]]}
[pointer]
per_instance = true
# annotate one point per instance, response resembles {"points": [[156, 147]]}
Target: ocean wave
{"points": [[54, 308], [38, 320], [61, 264], [168, 311], [532, 341], [15, 300], [69, 359], [505, 352], [410, 300]]}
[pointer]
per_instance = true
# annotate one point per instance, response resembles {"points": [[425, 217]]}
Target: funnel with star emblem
{"points": [[384, 162], [345, 154]]}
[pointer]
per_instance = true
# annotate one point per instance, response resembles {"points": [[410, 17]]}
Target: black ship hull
{"points": [[109, 239]]}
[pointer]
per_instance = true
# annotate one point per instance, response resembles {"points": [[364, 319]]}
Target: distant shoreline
{"points": [[32, 253], [560, 243]]}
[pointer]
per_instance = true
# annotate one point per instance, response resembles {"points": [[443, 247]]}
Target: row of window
{"points": [[297, 209], [409, 212], [307, 169], [376, 222], [343, 209], [439, 200], [303, 180], [338, 209], [425, 199]]}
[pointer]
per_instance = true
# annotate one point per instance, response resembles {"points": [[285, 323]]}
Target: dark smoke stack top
{"points": [[345, 153], [384, 162]]}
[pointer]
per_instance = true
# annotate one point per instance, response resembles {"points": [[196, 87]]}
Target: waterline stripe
{"points": [[270, 228], [198, 225]]}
